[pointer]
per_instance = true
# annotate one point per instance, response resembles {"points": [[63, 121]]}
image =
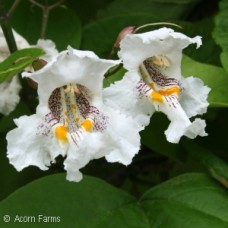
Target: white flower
{"points": [[71, 119], [154, 83], [9, 90], [49, 48]]}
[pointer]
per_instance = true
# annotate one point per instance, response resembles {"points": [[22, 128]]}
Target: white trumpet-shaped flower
{"points": [[154, 83], [9, 90], [71, 119]]}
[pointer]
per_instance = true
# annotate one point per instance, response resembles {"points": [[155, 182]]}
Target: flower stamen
{"points": [[160, 61]]}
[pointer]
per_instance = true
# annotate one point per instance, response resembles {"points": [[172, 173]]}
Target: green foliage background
{"points": [[183, 185]]}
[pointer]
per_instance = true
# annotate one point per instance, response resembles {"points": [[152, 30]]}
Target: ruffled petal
{"points": [[26, 147], [180, 124], [9, 98], [118, 143], [193, 98], [135, 48], [123, 137], [83, 67], [91, 146], [49, 47], [124, 95]]}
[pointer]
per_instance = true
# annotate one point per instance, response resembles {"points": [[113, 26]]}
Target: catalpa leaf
{"points": [[17, 62]]}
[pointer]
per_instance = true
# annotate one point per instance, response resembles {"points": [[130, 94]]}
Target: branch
{"points": [[13, 7], [46, 10], [7, 29]]}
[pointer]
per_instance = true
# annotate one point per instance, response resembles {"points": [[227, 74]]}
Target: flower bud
{"points": [[122, 34]]}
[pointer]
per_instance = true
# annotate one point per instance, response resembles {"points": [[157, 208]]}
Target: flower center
{"points": [[72, 113], [152, 71]]}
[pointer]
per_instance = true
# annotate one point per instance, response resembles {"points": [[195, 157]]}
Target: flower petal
{"points": [[193, 98], [71, 66], [180, 124], [9, 98], [135, 48], [25, 147], [49, 47], [123, 95], [91, 146]]}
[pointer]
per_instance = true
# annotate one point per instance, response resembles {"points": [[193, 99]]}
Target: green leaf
{"points": [[174, 9], [99, 36], [190, 200], [16, 62], [217, 166], [221, 32], [209, 51], [114, 77], [214, 77], [91, 203]]}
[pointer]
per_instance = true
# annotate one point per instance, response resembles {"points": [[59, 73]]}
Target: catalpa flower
{"points": [[154, 83], [71, 119], [9, 89]]}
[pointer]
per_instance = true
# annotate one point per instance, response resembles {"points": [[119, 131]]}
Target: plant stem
{"points": [[46, 10], [7, 29], [13, 7]]}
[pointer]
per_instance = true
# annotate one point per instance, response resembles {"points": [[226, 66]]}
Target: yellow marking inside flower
{"points": [[173, 90], [157, 97], [151, 84], [77, 119], [61, 133], [87, 125], [73, 106]]}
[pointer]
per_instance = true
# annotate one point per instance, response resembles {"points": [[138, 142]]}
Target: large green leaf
{"points": [[217, 166], [174, 9], [88, 204], [214, 77], [221, 31], [99, 36], [209, 51], [16, 62], [190, 200]]}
